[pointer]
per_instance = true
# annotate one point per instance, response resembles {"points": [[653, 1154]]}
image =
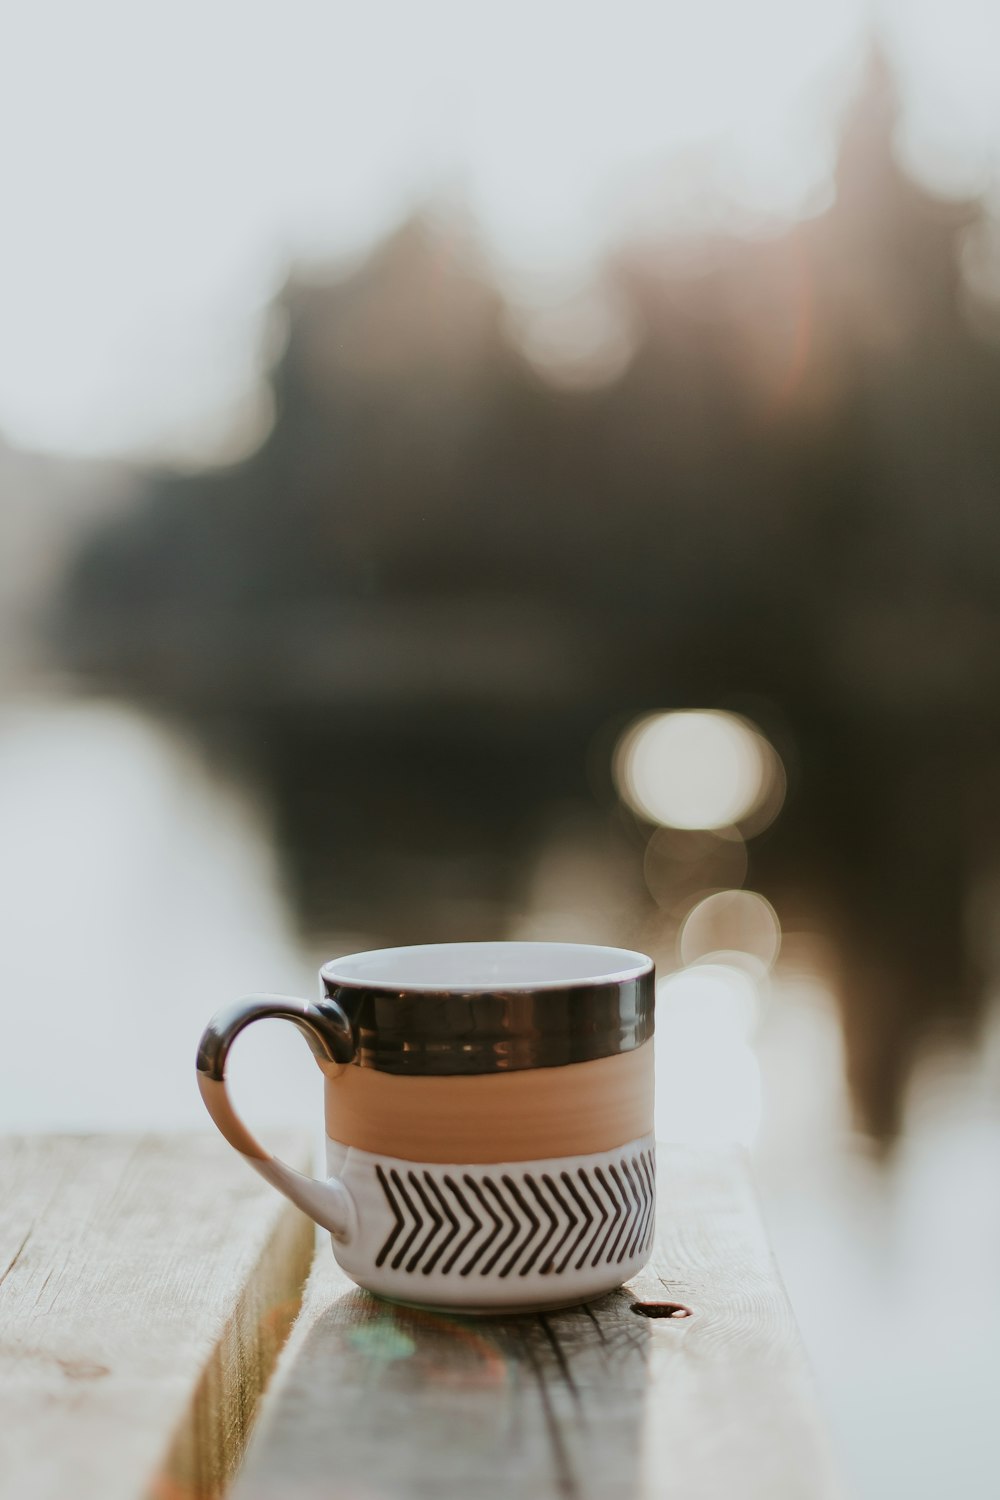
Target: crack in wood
{"points": [[565, 1475], [563, 1362], [596, 1322], [17, 1256]]}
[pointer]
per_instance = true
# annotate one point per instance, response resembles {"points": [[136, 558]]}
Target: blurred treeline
{"points": [[421, 609]]}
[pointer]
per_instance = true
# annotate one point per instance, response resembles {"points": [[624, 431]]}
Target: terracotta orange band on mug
{"points": [[537, 1112]]}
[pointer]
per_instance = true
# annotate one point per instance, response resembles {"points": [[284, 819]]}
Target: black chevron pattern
{"points": [[472, 1223]]}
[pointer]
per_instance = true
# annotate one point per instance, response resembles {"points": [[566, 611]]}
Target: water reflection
{"points": [[707, 1077], [891, 1269], [140, 891], [141, 888]]}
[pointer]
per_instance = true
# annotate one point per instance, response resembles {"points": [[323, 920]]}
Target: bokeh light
{"points": [[739, 922], [707, 1077], [698, 769], [681, 865], [707, 1073], [581, 338]]}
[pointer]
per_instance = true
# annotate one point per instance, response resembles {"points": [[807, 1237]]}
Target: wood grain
{"points": [[146, 1287], [377, 1402]]}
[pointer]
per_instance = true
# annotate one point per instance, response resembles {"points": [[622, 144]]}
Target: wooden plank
{"points": [[148, 1284], [382, 1402]]}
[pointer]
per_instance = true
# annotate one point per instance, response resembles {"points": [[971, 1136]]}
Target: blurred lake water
{"points": [[142, 888]]}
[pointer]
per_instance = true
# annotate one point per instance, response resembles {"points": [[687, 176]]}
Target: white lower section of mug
{"points": [[498, 1236]]}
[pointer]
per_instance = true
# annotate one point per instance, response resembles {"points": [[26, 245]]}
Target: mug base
{"points": [[515, 1310]]}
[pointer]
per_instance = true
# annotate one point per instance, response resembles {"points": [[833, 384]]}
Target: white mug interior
{"points": [[465, 968]]}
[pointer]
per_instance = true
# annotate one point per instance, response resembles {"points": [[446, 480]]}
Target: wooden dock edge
{"points": [[147, 1286], [210, 1442]]}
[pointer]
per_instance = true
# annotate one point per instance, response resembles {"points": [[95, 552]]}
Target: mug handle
{"points": [[328, 1031]]}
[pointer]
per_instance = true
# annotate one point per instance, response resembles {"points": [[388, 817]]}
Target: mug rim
{"points": [[630, 965]]}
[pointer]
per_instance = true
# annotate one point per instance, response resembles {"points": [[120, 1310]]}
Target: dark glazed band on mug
{"points": [[438, 1032], [435, 1033]]}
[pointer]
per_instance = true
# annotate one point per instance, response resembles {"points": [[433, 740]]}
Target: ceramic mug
{"points": [[489, 1116]]}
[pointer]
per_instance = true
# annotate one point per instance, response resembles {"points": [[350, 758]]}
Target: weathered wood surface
{"points": [[146, 1286], [376, 1402]]}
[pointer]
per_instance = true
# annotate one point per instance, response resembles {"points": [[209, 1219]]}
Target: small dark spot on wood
{"points": [[662, 1310]]}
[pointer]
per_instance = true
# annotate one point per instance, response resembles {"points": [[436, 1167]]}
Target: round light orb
{"points": [[696, 768], [681, 865], [738, 922]]}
